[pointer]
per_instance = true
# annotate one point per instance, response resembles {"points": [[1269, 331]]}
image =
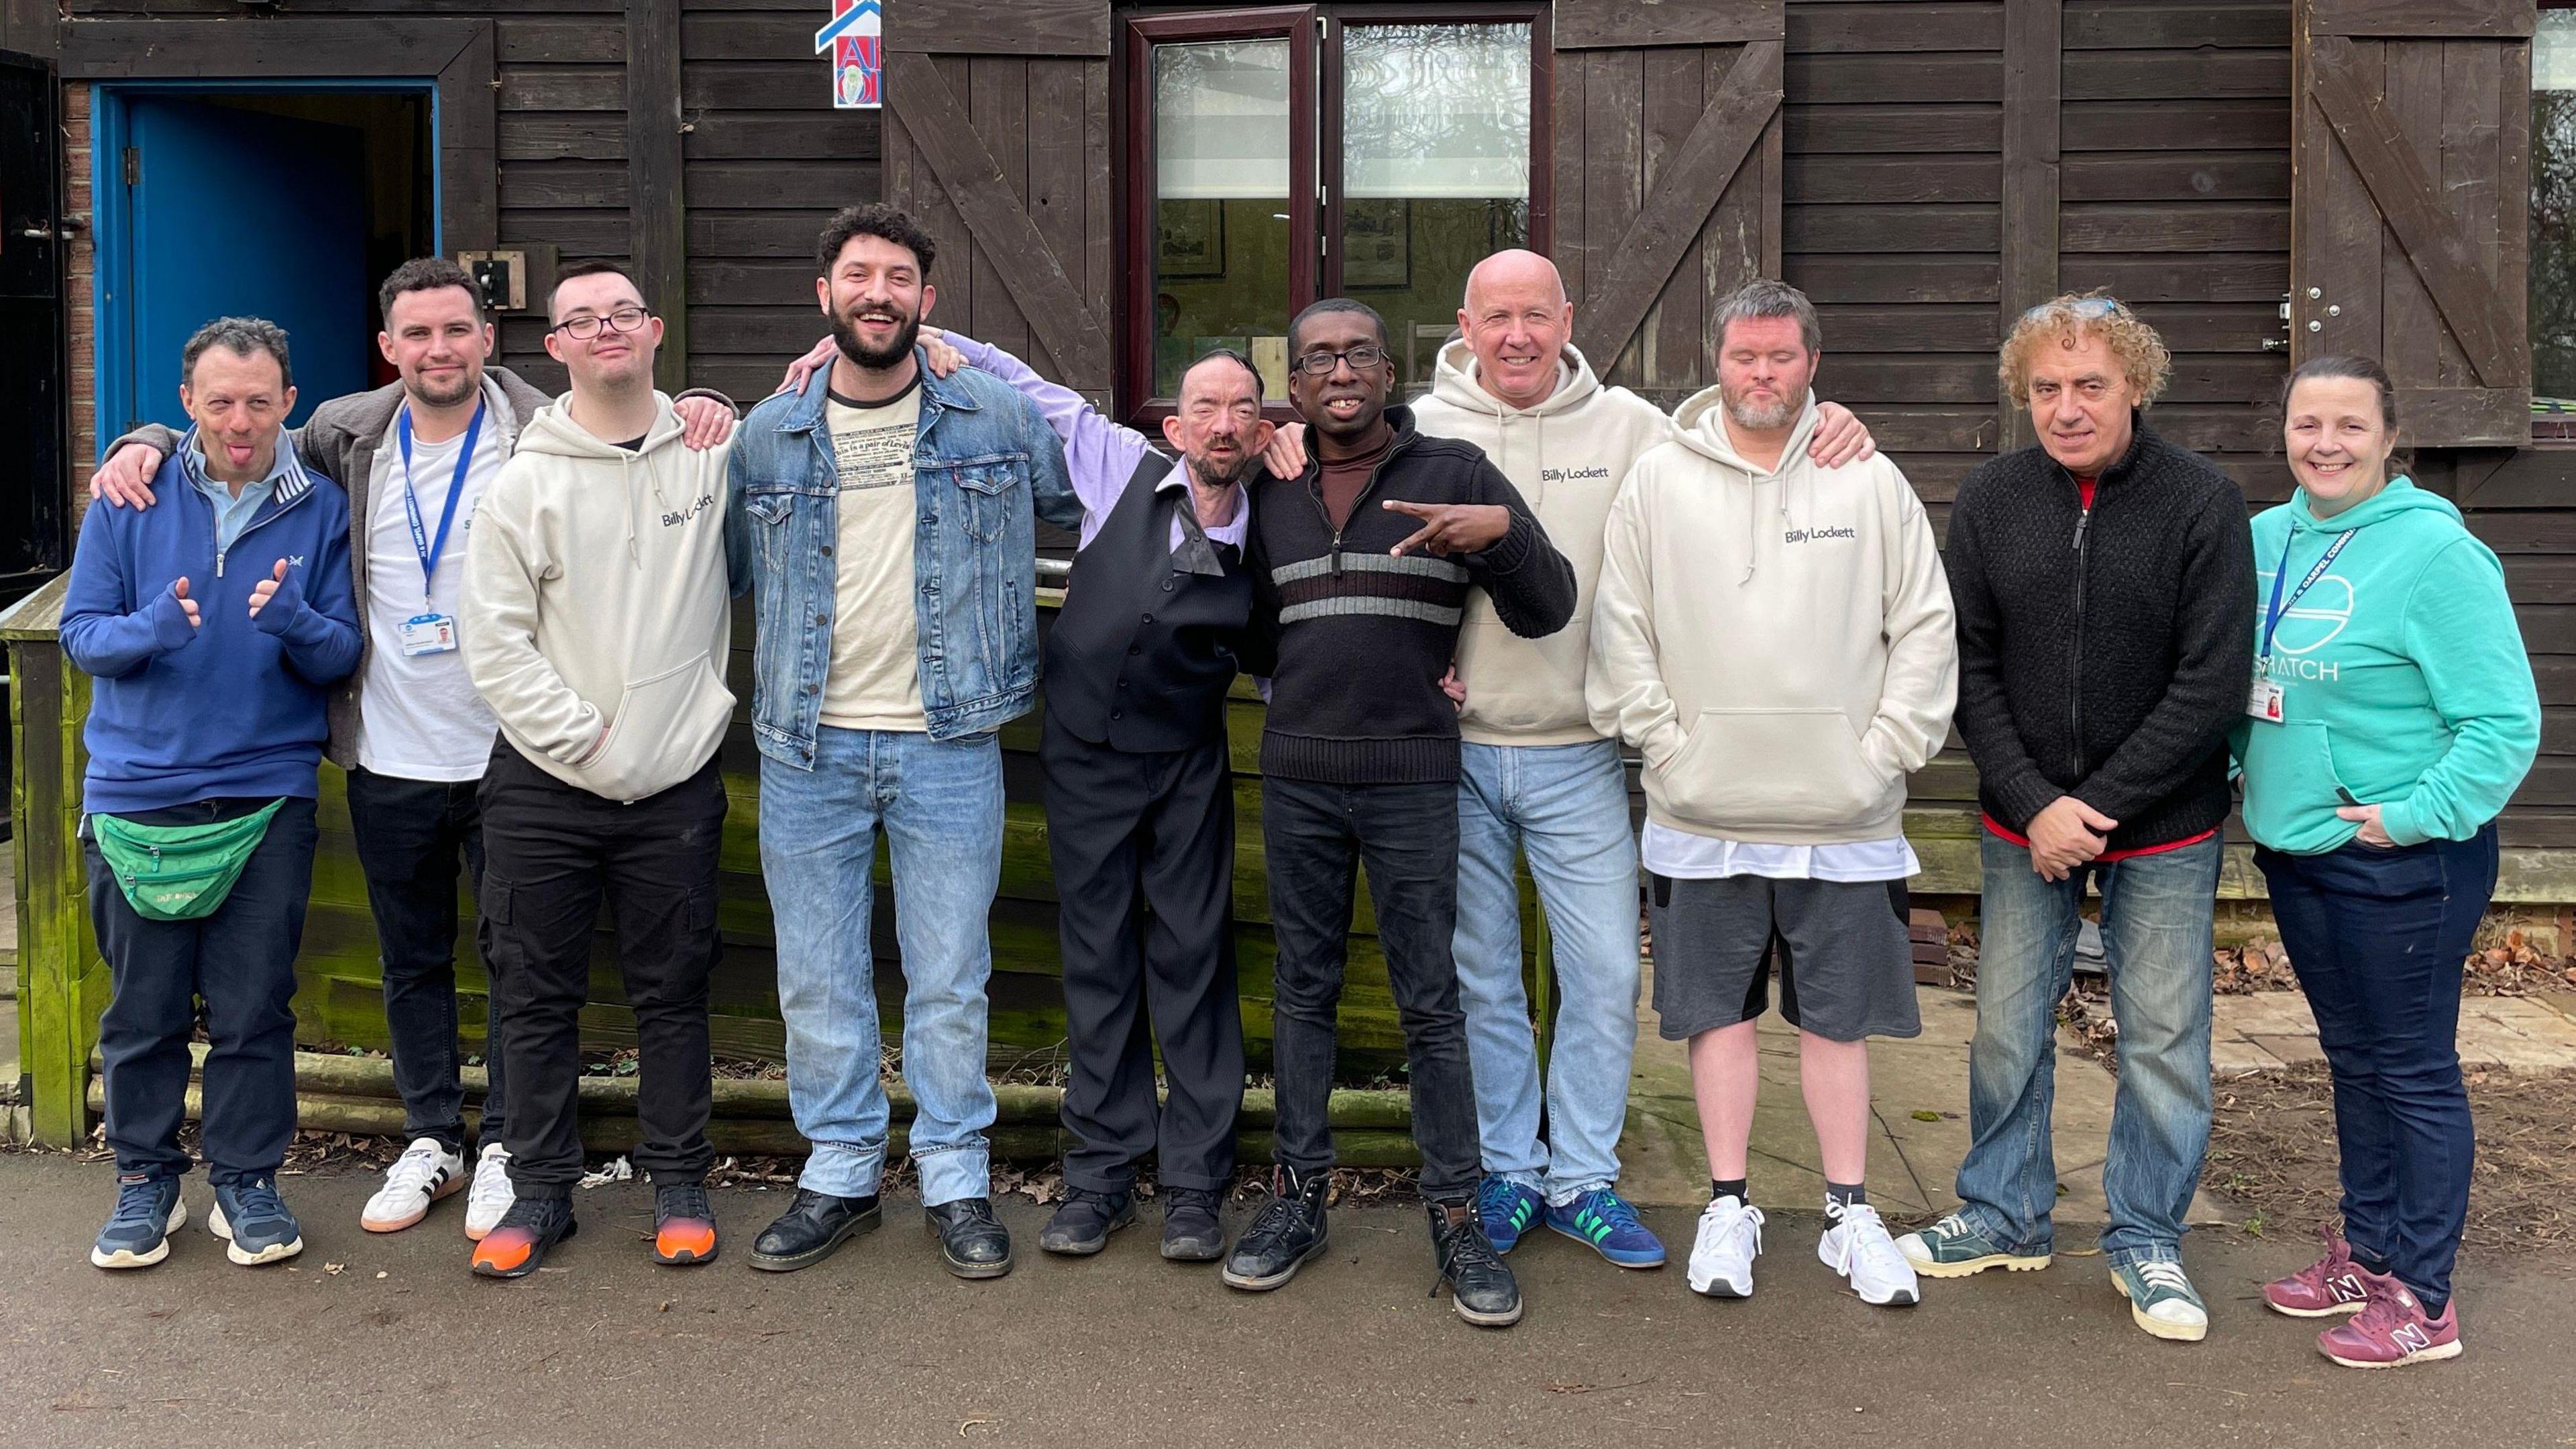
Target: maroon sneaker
{"points": [[2392, 1331], [2331, 1285]]}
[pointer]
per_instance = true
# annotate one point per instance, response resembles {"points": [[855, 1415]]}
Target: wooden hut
{"points": [[1115, 185]]}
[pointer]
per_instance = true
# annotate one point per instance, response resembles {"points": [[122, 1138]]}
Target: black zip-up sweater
{"points": [[2103, 654], [1357, 639]]}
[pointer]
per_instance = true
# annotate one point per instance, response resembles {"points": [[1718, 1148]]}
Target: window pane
{"points": [[1435, 169], [1221, 206], [2553, 206]]}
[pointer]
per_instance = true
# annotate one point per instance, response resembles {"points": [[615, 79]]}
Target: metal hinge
{"points": [[133, 166]]}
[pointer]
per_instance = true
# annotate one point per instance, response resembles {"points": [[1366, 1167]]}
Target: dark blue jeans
{"points": [[1316, 838], [413, 836], [241, 961], [2378, 938]]}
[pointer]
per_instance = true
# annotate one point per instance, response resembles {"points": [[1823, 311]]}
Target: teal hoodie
{"points": [[2404, 681]]}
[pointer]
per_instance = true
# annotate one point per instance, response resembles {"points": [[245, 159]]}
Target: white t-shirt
{"points": [[1680, 855], [418, 715], [874, 682]]}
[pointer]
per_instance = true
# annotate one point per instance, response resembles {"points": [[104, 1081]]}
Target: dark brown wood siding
{"points": [[767, 163]]}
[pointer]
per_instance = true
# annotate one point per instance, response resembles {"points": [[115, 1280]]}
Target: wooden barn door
{"points": [[1667, 176], [2411, 205], [999, 142]]}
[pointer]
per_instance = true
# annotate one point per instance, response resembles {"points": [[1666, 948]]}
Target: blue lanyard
{"points": [[2279, 609], [428, 548]]}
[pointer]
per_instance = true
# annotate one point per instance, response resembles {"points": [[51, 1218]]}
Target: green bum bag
{"points": [[179, 872]]}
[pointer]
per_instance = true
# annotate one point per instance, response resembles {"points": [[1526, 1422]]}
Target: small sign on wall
{"points": [[856, 41]]}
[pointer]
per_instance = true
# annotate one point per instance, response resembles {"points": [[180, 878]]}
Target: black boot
{"points": [[1481, 1288], [972, 1242], [812, 1229], [1288, 1231], [1191, 1231], [1081, 1227]]}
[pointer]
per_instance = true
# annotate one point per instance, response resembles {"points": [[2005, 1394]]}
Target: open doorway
{"points": [[281, 201]]}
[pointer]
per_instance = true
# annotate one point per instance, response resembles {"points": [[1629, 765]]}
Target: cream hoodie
{"points": [[596, 615], [1567, 455], [1777, 645]]}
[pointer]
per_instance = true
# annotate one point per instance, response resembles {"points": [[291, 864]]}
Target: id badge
{"points": [[428, 634], [2263, 701]]}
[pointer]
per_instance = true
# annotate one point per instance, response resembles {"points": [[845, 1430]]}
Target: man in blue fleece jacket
{"points": [[212, 629]]}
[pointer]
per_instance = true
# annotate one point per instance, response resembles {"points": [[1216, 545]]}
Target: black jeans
{"points": [[554, 852], [241, 961], [1143, 849], [412, 836], [1317, 837]]}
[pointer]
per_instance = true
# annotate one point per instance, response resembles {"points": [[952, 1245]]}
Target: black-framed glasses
{"points": [[1361, 358], [584, 328]]}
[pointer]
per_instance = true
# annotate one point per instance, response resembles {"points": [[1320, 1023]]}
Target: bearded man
{"points": [[884, 521]]}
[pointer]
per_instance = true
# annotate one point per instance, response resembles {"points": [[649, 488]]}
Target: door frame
{"points": [[454, 60], [112, 219]]}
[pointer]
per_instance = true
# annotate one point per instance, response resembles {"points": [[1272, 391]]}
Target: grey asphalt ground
{"points": [[878, 1346]]}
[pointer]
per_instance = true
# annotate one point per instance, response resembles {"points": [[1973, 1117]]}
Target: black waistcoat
{"points": [[1143, 652]]}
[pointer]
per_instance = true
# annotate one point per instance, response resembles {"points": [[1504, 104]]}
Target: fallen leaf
{"points": [[1924, 1116], [335, 1269]]}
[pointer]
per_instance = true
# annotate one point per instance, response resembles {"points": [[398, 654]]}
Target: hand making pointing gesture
{"points": [[1449, 528]]}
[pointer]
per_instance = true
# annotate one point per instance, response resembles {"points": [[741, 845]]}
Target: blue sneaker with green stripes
{"points": [[1603, 1219], [1507, 1209]]}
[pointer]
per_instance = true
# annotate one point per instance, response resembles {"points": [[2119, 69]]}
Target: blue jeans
{"points": [[2156, 913], [2377, 937], [940, 806], [1566, 808]]}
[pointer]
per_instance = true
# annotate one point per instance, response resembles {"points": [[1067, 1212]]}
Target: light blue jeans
{"points": [[2156, 913], [1566, 808], [940, 806]]}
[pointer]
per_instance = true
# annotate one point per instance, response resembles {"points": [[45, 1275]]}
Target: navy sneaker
{"points": [[1508, 1210], [253, 1222], [1604, 1220], [137, 1234]]}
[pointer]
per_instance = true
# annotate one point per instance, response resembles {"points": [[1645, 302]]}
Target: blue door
{"points": [[240, 213]]}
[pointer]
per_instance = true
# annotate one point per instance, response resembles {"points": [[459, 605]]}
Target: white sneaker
{"points": [[1857, 1246], [424, 1173], [1729, 1239], [491, 1196]]}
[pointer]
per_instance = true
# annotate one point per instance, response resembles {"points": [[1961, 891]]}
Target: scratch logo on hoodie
{"points": [[2315, 620], [705, 503], [1818, 535], [1561, 475]]}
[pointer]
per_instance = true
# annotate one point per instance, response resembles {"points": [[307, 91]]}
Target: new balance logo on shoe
{"points": [[2347, 1288], [2412, 1337]]}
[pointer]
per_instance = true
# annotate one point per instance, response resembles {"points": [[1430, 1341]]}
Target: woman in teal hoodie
{"points": [[2392, 714]]}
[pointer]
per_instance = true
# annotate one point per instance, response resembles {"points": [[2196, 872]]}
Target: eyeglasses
{"points": [[2089, 309], [1361, 358], [624, 319]]}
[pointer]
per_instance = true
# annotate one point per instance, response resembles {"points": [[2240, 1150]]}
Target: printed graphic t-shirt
{"points": [[875, 679]]}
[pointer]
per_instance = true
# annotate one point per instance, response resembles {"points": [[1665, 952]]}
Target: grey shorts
{"points": [[1846, 967]]}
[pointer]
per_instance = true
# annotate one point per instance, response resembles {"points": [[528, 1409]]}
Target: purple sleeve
{"points": [[1100, 454]]}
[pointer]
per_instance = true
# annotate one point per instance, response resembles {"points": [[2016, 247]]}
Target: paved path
{"points": [[2272, 1029], [1920, 1091], [878, 1347]]}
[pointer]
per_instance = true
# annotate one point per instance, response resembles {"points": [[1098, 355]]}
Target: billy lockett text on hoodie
{"points": [[1778, 645], [601, 614], [1567, 454]]}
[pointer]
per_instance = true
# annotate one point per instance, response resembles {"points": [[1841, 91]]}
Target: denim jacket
{"points": [[985, 467]]}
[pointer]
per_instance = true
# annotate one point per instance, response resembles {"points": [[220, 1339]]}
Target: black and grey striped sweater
{"points": [[1360, 638]]}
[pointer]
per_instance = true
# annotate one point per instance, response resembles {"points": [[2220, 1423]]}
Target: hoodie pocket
{"points": [[2291, 788], [1748, 768], [665, 726]]}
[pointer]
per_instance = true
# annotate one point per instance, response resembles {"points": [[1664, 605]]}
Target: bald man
{"points": [[1535, 779]]}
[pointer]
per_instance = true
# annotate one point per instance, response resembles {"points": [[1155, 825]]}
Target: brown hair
{"points": [[426, 274], [2364, 369], [2068, 320]]}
